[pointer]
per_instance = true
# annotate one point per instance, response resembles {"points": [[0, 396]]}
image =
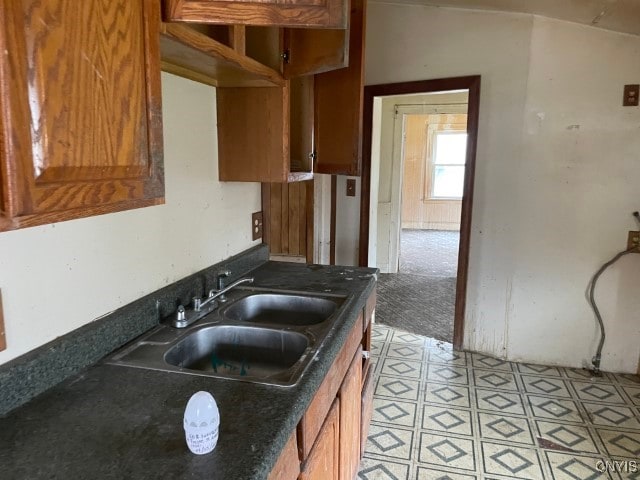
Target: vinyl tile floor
{"points": [[440, 414]]}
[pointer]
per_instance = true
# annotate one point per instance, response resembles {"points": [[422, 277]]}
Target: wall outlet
{"points": [[634, 241], [3, 338], [256, 225], [631, 96]]}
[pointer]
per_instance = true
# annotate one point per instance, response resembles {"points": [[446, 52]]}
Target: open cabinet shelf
{"points": [[190, 53]]}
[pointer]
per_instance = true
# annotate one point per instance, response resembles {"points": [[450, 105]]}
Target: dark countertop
{"points": [[120, 422]]}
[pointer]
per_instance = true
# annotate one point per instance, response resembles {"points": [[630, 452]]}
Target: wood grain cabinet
{"points": [[312, 124], [332, 432], [80, 109], [293, 13]]}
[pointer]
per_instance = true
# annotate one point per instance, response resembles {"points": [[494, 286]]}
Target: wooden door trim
{"points": [[471, 83], [332, 228]]}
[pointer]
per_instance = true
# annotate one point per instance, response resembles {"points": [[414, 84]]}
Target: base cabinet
{"points": [[332, 432]]}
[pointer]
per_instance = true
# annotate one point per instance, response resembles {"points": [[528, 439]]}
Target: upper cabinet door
{"points": [[292, 13], [339, 102], [80, 109]]}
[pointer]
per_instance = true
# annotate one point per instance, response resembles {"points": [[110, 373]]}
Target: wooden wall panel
{"points": [[418, 211], [290, 218]]}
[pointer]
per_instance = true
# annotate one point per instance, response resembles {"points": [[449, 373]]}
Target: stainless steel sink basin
{"points": [[238, 351], [260, 336], [281, 309]]}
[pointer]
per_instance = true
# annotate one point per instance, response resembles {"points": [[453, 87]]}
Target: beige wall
{"points": [[56, 278], [557, 172], [419, 211]]}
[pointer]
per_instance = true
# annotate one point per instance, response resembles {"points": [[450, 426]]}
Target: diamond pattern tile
{"points": [[406, 352], [394, 412], [566, 466], [612, 415], [503, 428], [389, 442], [447, 451], [499, 401], [495, 380], [445, 419], [442, 414], [573, 437], [554, 387], [401, 388], [511, 461], [595, 392], [454, 395], [554, 408], [448, 374], [622, 444]]}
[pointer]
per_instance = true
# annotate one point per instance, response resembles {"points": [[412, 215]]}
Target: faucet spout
{"points": [[213, 294]]}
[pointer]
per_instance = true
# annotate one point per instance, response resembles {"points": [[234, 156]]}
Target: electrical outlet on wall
{"points": [[256, 225], [3, 338], [634, 241]]}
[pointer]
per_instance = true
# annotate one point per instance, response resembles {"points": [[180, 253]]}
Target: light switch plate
{"points": [[631, 96], [351, 187], [3, 338]]}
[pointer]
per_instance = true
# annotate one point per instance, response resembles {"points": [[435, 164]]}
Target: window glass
{"points": [[451, 148], [450, 152]]}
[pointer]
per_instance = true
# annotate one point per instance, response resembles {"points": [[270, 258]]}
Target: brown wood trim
{"points": [[471, 83], [27, 221], [3, 337], [332, 228]]}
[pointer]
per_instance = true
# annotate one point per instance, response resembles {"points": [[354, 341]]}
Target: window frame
{"points": [[433, 131]]}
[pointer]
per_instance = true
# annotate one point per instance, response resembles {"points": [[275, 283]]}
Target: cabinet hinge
{"points": [[313, 156], [286, 56]]}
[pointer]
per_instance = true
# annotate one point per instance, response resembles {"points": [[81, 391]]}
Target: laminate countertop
{"points": [[121, 422]]}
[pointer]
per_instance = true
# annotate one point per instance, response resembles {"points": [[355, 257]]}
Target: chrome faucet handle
{"points": [[197, 303], [181, 313]]}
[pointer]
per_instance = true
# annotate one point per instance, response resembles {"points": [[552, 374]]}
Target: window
{"points": [[449, 155]]}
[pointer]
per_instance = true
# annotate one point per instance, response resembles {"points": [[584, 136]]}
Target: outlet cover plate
{"points": [[256, 225], [634, 241], [351, 187], [631, 96], [3, 338]]}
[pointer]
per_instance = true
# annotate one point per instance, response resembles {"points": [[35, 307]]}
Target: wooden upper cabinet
{"points": [[293, 13], [339, 104], [80, 109]]}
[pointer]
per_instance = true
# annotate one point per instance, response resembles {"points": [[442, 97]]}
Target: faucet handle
{"points": [[181, 313], [224, 273]]}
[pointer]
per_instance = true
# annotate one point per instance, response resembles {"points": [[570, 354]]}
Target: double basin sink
{"points": [[258, 336]]}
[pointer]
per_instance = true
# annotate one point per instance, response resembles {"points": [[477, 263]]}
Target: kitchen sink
{"points": [[238, 351], [258, 335], [281, 309]]}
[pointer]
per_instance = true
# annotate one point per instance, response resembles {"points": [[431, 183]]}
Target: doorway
{"points": [[381, 182]]}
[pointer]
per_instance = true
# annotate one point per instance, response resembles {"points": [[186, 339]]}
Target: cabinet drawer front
{"points": [[313, 418]]}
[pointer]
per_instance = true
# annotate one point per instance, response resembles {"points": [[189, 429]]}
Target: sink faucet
{"points": [[183, 317], [220, 284], [198, 304]]}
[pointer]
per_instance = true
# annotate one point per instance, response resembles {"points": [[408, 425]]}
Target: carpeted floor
{"points": [[421, 298]]}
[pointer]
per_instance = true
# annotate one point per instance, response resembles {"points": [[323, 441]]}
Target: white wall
{"points": [[552, 201], [347, 223], [56, 278]]}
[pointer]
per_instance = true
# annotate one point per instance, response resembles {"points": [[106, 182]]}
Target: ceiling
{"points": [[617, 15]]}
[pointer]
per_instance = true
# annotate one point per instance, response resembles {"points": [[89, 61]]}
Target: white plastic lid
{"points": [[201, 411]]}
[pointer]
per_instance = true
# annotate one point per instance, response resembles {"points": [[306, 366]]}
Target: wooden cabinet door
{"points": [[339, 102], [324, 458], [293, 13], [350, 396], [80, 109], [312, 50]]}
